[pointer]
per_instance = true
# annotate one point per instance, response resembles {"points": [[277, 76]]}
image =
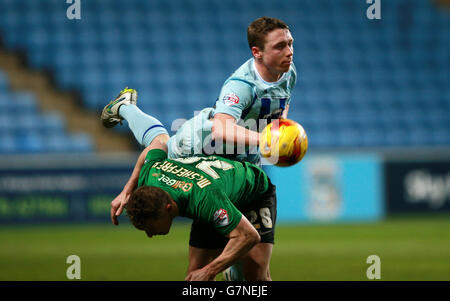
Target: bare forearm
{"points": [[228, 131], [235, 249], [241, 135], [160, 142], [241, 240], [134, 178]]}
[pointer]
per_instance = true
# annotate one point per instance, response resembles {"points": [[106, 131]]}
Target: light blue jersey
{"points": [[245, 96]]}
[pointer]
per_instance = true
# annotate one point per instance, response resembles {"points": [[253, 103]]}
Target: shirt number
{"points": [[265, 215], [207, 166]]}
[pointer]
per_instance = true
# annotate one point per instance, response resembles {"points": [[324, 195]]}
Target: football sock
{"points": [[144, 127]]}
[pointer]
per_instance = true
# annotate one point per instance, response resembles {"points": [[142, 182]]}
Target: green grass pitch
{"points": [[409, 248]]}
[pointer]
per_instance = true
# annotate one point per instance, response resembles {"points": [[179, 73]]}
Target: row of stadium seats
{"points": [[25, 129], [188, 9], [360, 82], [347, 138], [42, 143]]}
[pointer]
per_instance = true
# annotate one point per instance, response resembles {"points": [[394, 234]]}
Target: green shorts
{"points": [[262, 213]]}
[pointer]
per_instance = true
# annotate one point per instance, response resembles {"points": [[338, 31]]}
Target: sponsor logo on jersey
{"points": [[221, 217], [177, 184], [231, 99]]}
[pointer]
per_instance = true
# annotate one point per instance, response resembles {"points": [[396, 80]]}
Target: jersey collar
{"points": [[261, 79]]}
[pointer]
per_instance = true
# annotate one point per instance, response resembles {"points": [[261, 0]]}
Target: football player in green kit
{"points": [[258, 91], [215, 191]]}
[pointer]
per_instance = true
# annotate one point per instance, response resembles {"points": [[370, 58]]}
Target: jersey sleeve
{"points": [[217, 210], [155, 155], [234, 97]]}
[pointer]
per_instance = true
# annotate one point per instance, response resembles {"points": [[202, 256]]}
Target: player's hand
{"points": [[200, 275], [117, 206]]}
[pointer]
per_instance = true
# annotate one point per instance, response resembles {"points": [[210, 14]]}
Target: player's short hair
{"points": [[258, 29], [146, 202]]}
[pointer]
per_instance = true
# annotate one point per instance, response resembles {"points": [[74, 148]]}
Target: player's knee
{"points": [[199, 262], [256, 273], [252, 276], [195, 264], [198, 258], [256, 269]]}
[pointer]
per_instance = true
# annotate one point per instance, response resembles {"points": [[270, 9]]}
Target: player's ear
{"points": [[256, 52]]}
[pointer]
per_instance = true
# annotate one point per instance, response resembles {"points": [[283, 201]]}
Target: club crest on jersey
{"points": [[231, 99], [221, 217]]}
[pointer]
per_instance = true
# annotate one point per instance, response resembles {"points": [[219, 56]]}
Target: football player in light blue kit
{"points": [[247, 100], [258, 91]]}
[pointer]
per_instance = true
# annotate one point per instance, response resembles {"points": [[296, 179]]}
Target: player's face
{"points": [[278, 51], [159, 226]]}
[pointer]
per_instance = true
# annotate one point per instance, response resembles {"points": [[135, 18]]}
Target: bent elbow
{"points": [[255, 238], [258, 239]]}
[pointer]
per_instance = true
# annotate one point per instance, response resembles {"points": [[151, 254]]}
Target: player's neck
{"points": [[265, 73]]}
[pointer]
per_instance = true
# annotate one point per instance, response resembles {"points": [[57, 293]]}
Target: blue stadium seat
{"points": [[178, 53], [52, 123], [29, 142], [80, 143], [8, 145], [7, 122], [25, 129], [24, 102]]}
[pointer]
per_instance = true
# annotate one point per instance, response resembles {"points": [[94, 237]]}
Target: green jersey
{"points": [[210, 189]]}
